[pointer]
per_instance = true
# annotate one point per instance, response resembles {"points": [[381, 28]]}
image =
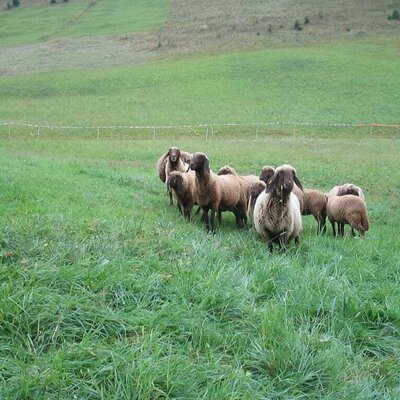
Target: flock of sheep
{"points": [[274, 200]]}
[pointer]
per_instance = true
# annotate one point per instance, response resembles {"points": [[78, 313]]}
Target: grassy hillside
{"points": [[107, 292], [344, 81], [31, 23]]}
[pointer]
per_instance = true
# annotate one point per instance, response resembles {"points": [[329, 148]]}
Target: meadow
{"points": [[105, 291], [108, 293]]}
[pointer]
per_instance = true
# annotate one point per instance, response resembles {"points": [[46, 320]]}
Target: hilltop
{"points": [[39, 36]]}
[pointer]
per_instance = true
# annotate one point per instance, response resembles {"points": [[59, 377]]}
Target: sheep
{"points": [[277, 216], [347, 209], [315, 204], [226, 170], [173, 160], [248, 182], [255, 190], [182, 185], [217, 192], [267, 172], [347, 188]]}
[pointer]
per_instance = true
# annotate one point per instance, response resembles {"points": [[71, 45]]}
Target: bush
{"points": [[395, 15], [306, 21], [297, 25], [9, 6], [15, 3]]}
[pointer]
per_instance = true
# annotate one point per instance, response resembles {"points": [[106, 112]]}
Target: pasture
{"points": [[106, 292]]}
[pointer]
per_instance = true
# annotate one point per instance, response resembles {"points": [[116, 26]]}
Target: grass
{"points": [[106, 292], [43, 21], [312, 84]]}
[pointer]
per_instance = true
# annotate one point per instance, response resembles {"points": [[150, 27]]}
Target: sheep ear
{"points": [[271, 184], [206, 167], [297, 181]]}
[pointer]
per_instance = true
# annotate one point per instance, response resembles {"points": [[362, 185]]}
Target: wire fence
{"points": [[253, 130]]}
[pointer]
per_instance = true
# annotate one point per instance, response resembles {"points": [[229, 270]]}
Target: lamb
{"points": [[267, 172], [217, 192], [347, 209], [173, 160], [315, 204], [277, 216], [182, 185]]}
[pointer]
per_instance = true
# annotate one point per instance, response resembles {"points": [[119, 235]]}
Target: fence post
{"points": [[257, 133], [9, 130], [212, 131], [207, 133], [38, 132], [154, 133], [98, 133]]}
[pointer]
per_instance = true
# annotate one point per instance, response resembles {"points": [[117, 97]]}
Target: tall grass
{"points": [[107, 293]]}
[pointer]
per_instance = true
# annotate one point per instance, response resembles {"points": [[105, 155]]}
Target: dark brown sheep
{"points": [[182, 185]]}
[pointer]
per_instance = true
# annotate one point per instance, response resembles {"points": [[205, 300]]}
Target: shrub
{"points": [[297, 25], [9, 6], [395, 15], [15, 3], [306, 21]]}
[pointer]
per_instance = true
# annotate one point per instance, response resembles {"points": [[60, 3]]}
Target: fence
{"points": [[254, 130]]}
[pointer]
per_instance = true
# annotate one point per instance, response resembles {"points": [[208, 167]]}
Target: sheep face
{"points": [[175, 181], [282, 182], [266, 173], [200, 163], [174, 153]]}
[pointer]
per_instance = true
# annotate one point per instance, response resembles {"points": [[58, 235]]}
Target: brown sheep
{"points": [[173, 160], [226, 170], [182, 185], [347, 209], [347, 188], [255, 190], [315, 204], [217, 192], [277, 216]]}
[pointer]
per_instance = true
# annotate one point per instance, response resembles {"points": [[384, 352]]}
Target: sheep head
{"points": [[200, 163], [266, 173], [174, 154], [175, 181], [282, 182]]}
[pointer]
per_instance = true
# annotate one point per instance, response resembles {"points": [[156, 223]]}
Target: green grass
{"points": [[107, 293], [37, 22], [343, 81]]}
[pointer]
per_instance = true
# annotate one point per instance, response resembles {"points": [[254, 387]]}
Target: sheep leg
{"points": [[352, 232], [297, 240], [283, 241], [213, 220], [270, 246], [187, 213], [333, 228], [341, 229], [219, 217], [206, 218], [171, 202]]}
